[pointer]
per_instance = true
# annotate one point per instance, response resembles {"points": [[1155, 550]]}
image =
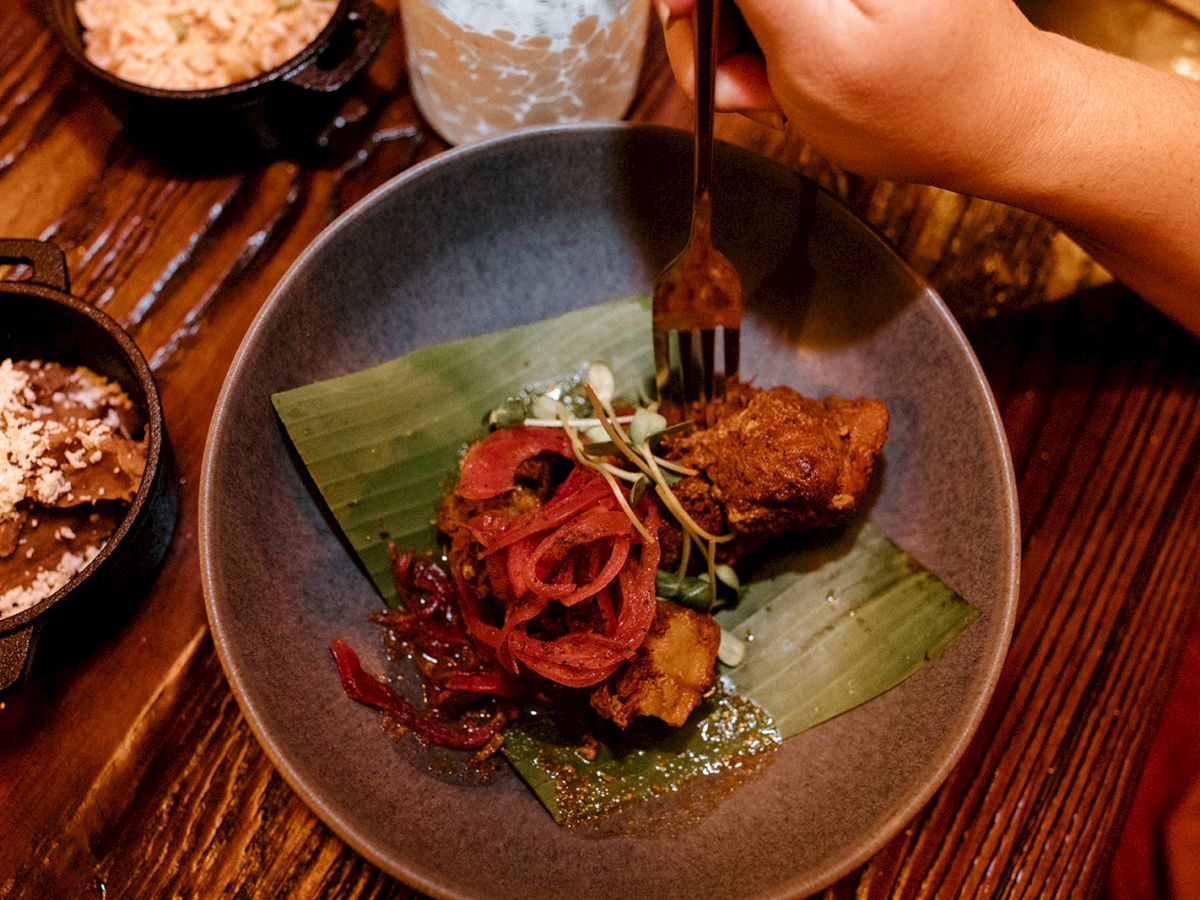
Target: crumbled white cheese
{"points": [[49, 484], [92, 390], [75, 458], [25, 469], [45, 444], [92, 432], [45, 582]]}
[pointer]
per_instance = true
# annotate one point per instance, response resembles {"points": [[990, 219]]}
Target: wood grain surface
{"points": [[126, 767]]}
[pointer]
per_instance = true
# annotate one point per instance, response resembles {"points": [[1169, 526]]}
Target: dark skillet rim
{"points": [[152, 408]]}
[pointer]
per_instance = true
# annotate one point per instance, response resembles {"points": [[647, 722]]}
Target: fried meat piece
{"points": [[776, 462], [533, 483], [532, 486], [668, 674]]}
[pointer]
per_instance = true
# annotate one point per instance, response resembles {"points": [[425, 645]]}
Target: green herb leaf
{"points": [[638, 489], [645, 425], [677, 428], [692, 591], [600, 449]]}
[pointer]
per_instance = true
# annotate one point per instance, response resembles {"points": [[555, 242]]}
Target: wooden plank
{"points": [[126, 760]]}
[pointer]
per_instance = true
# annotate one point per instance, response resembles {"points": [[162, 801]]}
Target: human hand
{"points": [[923, 90]]}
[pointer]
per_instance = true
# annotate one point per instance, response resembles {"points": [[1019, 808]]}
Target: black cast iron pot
{"points": [[277, 112], [39, 319]]}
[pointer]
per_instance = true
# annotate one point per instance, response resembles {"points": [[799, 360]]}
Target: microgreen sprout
{"points": [[510, 412], [547, 407], [728, 577], [600, 379], [595, 435], [732, 651], [648, 464], [645, 425]]}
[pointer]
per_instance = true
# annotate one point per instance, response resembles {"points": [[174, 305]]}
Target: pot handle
{"points": [[46, 259], [356, 39], [16, 653]]}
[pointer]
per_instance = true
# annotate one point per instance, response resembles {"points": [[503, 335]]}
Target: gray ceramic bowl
{"points": [[522, 228], [39, 319]]}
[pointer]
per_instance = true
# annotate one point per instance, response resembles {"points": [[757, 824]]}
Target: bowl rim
{"points": [[155, 438], [64, 21], [277, 752]]}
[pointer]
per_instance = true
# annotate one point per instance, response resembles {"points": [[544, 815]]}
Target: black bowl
{"points": [[261, 118], [41, 320]]}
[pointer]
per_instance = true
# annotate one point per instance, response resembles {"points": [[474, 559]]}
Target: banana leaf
{"points": [[580, 768], [382, 445], [827, 627], [832, 625]]}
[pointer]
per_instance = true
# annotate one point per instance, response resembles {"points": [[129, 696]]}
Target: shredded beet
{"points": [[489, 467], [577, 549], [469, 698], [567, 594], [362, 687]]}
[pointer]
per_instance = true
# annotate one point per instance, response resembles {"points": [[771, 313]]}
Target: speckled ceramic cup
{"points": [[479, 68]]}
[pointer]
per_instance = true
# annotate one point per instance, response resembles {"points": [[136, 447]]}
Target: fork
{"points": [[699, 293]]}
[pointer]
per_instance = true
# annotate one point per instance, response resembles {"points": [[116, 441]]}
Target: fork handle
{"points": [[705, 45]]}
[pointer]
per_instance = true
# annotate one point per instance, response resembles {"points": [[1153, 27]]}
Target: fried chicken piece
{"points": [[668, 674], [776, 462]]}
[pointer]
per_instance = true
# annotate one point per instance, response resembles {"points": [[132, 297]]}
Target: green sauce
{"points": [[580, 770]]}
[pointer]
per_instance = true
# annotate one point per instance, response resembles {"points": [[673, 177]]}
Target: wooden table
{"points": [[126, 767]]}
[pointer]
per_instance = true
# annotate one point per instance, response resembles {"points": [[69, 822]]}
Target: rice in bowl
{"points": [[196, 44]]}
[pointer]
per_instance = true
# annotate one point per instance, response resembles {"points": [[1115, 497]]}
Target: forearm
{"points": [[1107, 150], [972, 97]]}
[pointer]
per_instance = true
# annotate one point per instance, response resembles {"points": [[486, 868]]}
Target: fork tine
{"points": [[694, 365], [691, 365], [708, 375], [662, 367], [699, 291], [730, 358]]}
